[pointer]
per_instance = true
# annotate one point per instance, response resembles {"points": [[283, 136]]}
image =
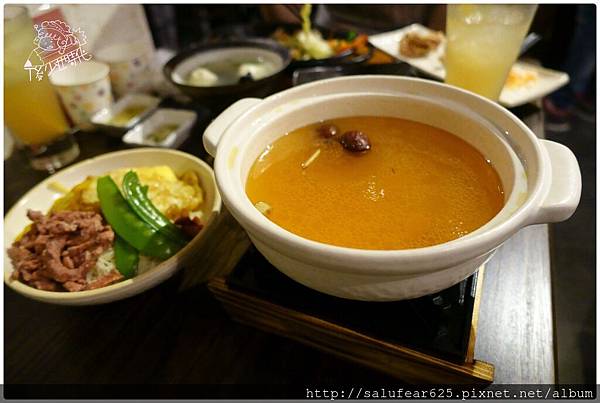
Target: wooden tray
{"points": [[256, 294]]}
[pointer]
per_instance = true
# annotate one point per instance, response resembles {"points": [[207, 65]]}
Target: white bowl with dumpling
{"points": [[179, 185], [222, 72]]}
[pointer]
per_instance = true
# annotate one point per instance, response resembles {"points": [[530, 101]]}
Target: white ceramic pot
{"points": [[541, 179]]}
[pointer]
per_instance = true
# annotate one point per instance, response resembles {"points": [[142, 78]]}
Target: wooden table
{"points": [[515, 319], [177, 333]]}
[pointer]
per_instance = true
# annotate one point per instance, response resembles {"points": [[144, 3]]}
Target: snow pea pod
{"points": [[137, 197], [126, 257], [129, 226]]}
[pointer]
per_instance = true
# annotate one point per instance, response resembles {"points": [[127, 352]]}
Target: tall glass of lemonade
{"points": [[32, 110], [483, 42]]}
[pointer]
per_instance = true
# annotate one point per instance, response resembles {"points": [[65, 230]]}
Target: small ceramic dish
{"points": [[166, 128], [126, 113], [42, 196]]}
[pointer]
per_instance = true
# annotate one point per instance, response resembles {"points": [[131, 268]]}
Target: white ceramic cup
{"points": [[130, 66], [541, 180], [84, 89]]}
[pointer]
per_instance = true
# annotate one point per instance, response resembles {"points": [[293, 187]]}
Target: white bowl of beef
{"points": [[42, 197]]}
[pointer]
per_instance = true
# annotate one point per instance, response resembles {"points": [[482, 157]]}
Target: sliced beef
{"points": [[105, 280], [45, 284], [60, 249], [79, 285]]}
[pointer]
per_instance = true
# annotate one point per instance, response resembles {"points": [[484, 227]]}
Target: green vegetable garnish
{"points": [[137, 197], [129, 226], [305, 14], [351, 35], [126, 257]]}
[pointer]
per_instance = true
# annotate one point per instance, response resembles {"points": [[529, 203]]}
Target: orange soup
{"points": [[397, 184]]}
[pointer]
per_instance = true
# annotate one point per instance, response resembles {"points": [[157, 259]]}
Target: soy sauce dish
{"points": [[333, 145]]}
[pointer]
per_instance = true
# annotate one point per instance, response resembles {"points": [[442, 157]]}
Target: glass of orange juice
{"points": [[483, 42], [32, 110]]}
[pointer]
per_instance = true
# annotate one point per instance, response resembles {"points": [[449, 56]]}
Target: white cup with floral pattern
{"points": [[84, 89], [130, 66]]}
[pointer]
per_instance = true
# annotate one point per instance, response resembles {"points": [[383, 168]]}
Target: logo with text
{"points": [[57, 46]]}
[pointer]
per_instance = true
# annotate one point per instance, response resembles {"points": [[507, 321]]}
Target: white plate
{"points": [[547, 82], [42, 196]]}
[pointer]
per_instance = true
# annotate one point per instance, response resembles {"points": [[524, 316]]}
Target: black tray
{"points": [[437, 324]]}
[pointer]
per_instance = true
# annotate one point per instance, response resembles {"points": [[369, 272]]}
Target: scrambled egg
{"points": [[520, 77], [174, 197]]}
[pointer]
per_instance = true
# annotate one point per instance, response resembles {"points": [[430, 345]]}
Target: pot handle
{"points": [[565, 189], [214, 131]]}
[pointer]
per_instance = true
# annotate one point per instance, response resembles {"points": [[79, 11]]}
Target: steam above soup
{"points": [[375, 183]]}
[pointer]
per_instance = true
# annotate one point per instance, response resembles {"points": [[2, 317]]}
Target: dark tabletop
{"points": [[178, 333]]}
